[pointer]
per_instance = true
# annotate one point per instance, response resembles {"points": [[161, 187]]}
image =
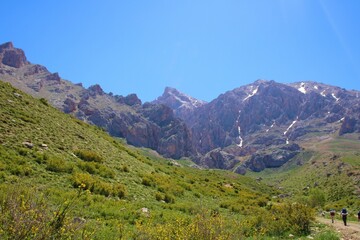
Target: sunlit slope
{"points": [[53, 153], [329, 166]]}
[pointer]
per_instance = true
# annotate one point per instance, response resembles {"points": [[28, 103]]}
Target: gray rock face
{"points": [[218, 159], [272, 158]]}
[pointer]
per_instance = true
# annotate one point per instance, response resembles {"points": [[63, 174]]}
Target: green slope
{"points": [[326, 175], [55, 170]]}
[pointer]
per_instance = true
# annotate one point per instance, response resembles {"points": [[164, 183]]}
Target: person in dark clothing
{"points": [[344, 214], [332, 215], [359, 216]]}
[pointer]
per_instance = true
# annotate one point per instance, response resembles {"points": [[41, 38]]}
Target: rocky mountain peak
{"points": [[7, 45], [130, 100], [11, 56], [95, 90], [182, 104], [176, 99]]}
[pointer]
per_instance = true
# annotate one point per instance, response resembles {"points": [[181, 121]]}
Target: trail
{"points": [[349, 232]]}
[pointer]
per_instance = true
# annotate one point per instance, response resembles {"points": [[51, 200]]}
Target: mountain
{"points": [[261, 125], [182, 105], [264, 124], [142, 125]]}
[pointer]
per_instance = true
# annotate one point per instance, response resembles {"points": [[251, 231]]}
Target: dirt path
{"points": [[349, 232]]}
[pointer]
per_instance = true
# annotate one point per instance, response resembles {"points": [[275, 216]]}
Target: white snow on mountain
{"points": [[336, 98], [291, 125], [302, 88], [239, 131], [272, 125], [252, 94], [323, 93]]}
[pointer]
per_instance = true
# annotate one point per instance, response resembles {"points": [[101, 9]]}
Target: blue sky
{"points": [[201, 47]]}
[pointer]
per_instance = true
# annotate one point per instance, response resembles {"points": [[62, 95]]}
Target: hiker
{"points": [[332, 215], [344, 214], [359, 216]]}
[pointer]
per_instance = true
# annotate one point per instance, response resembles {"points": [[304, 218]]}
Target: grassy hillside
{"points": [[62, 178], [325, 176]]}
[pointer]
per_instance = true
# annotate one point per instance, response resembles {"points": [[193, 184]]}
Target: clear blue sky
{"points": [[201, 47]]}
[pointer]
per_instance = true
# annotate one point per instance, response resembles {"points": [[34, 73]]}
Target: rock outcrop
{"points": [[11, 56]]}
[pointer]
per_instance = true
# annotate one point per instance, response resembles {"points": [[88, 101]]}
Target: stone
{"points": [[69, 106], [28, 144]]}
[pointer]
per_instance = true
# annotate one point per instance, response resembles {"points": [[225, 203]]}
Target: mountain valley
{"points": [[259, 152]]}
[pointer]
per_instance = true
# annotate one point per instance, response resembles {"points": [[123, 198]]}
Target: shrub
{"points": [[44, 101], [20, 170], [159, 197], [58, 165], [96, 168], [97, 186], [119, 190], [88, 156], [147, 181], [169, 198], [26, 214], [125, 169], [328, 235], [281, 219], [204, 225]]}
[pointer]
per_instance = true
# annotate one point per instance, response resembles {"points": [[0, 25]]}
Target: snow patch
{"points": [[239, 131], [333, 95], [302, 88], [252, 94], [316, 87], [291, 125], [342, 119], [240, 138], [323, 93], [272, 125]]}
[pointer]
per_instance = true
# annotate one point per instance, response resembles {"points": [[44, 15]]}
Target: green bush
{"points": [[285, 218], [169, 198], [159, 196], [328, 235], [148, 181], [44, 101], [97, 186], [96, 168], [26, 214], [88, 156], [58, 165]]}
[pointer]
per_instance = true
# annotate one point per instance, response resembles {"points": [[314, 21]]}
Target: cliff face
{"points": [[257, 123]]}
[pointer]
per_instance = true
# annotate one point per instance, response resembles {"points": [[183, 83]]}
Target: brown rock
{"points": [[53, 77], [11, 56], [69, 106]]}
